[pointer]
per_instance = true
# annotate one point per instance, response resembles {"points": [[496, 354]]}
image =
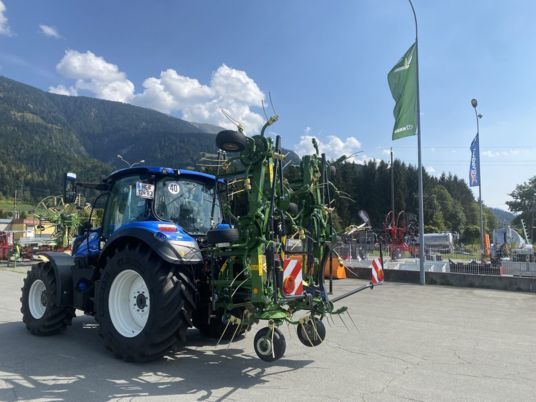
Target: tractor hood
{"points": [[167, 239]]}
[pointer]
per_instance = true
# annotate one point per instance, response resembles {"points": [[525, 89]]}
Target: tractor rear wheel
{"points": [[144, 305], [40, 312]]}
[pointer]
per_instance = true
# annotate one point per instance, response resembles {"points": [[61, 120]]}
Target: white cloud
{"points": [[94, 74], [4, 26], [229, 89], [49, 31], [496, 154], [62, 90], [334, 147], [430, 170], [386, 151]]}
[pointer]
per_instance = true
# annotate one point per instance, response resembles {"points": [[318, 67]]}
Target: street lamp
{"points": [[120, 157], [478, 116]]}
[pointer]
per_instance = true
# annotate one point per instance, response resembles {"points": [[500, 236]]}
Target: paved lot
{"points": [[412, 342]]}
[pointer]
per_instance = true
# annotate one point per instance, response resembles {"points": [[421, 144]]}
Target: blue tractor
{"points": [[141, 271], [165, 256]]}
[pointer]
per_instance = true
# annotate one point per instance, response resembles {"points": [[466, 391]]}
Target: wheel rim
{"points": [[264, 346], [129, 303], [37, 299]]}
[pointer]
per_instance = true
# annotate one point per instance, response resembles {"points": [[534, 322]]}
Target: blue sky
{"points": [[324, 62]]}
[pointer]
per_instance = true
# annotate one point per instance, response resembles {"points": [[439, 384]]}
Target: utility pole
{"points": [[15, 213]]}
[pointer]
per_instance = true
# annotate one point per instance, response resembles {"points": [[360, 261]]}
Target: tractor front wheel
{"points": [[40, 312], [269, 344], [144, 306]]}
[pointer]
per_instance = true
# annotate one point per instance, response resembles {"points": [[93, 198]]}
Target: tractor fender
{"points": [[174, 252], [62, 265]]}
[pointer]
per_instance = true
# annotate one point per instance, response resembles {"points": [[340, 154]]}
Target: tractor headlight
{"points": [[188, 251]]}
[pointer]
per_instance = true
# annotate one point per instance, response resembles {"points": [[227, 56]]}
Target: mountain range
{"points": [[43, 135]]}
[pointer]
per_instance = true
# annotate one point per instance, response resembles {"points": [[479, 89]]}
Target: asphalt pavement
{"points": [[426, 343]]}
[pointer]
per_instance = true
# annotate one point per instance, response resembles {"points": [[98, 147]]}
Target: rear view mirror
{"points": [[69, 188]]}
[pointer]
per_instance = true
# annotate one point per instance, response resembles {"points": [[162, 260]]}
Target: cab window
{"points": [[123, 205]]}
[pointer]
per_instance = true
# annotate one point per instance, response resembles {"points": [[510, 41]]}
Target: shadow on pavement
{"points": [[75, 365]]}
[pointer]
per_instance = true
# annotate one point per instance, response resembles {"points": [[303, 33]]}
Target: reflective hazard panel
{"points": [[292, 277]]}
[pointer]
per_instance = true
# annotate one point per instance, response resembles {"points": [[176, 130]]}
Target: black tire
{"points": [[223, 236], [215, 327], [55, 319], [172, 301], [293, 209], [263, 344], [308, 335], [332, 171], [231, 141]]}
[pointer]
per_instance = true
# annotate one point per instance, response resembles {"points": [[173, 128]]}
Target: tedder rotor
{"points": [[270, 267]]}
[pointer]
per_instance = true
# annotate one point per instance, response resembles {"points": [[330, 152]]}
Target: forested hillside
{"points": [[449, 204]]}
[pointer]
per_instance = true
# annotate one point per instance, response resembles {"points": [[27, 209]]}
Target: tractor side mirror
{"points": [[69, 188]]}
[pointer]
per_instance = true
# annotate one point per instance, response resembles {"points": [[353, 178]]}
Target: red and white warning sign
{"points": [[292, 277], [377, 271]]}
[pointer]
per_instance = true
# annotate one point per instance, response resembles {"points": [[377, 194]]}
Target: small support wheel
{"points": [[312, 332], [231, 141], [269, 344]]}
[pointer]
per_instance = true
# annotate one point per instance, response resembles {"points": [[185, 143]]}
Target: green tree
{"points": [[524, 202]]}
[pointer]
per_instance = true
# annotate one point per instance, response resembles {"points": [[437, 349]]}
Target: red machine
{"points": [[398, 228], [4, 245]]}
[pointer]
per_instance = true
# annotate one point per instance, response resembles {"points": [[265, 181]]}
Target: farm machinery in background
{"points": [[64, 218], [401, 234], [175, 250]]}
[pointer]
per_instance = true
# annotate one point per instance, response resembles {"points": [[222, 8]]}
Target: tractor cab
{"points": [[160, 206], [181, 197]]}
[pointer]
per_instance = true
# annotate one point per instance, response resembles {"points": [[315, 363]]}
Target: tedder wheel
{"points": [[217, 236], [144, 305], [231, 141], [215, 327], [269, 344], [312, 332], [40, 312]]}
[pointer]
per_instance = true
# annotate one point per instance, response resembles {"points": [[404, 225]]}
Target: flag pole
{"points": [[474, 103], [421, 202]]}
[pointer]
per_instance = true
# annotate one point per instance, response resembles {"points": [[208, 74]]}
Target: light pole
{"points": [[422, 278], [478, 116], [120, 157]]}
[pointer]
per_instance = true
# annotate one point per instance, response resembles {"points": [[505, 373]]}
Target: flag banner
{"points": [[377, 271], [403, 84], [474, 167]]}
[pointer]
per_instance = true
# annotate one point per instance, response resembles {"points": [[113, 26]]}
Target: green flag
{"points": [[403, 84]]}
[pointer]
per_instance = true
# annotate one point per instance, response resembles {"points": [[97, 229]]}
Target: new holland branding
{"points": [[474, 167]]}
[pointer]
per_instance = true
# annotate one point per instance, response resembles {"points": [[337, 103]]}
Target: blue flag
{"points": [[474, 167]]}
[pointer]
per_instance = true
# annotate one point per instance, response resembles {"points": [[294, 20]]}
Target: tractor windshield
{"points": [[188, 203]]}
